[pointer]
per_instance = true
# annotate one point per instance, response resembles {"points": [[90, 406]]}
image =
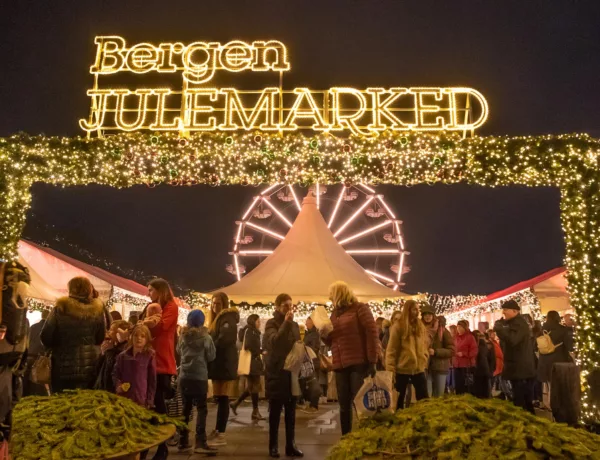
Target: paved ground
{"points": [[315, 434]]}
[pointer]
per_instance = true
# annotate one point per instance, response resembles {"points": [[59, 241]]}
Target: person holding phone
{"points": [[281, 332]]}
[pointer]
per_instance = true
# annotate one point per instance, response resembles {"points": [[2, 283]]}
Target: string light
{"points": [[569, 162]]}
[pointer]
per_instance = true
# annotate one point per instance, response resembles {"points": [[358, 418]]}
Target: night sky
{"points": [[536, 62]]}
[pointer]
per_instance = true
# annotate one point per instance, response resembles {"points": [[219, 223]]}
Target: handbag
{"points": [[325, 362], [307, 368], [245, 359], [41, 370]]}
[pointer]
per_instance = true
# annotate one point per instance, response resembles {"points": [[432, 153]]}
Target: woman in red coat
{"points": [[163, 342], [464, 359]]}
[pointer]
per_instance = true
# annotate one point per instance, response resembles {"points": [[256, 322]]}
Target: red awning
{"points": [[113, 280], [524, 284]]}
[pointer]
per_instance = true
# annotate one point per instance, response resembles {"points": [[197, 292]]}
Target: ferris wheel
{"points": [[358, 217]]}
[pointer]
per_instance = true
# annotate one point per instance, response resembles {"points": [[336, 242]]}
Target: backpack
{"points": [[545, 345]]}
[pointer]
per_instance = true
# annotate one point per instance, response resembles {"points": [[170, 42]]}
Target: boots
{"points": [[256, 416], [202, 447], [290, 432], [233, 407], [184, 440], [293, 451]]}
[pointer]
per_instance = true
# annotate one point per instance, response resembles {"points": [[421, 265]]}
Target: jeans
{"points": [[419, 382], [436, 384], [348, 381], [194, 392], [275, 407], [523, 393]]}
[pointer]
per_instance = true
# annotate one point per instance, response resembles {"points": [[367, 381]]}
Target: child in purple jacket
{"points": [[135, 370]]}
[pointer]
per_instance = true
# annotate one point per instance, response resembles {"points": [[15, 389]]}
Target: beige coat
{"points": [[408, 355]]}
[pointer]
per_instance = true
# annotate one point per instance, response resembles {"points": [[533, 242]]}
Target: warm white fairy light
{"points": [[337, 206], [380, 276], [256, 252], [354, 216], [281, 216], [371, 251], [266, 231], [365, 232], [251, 207], [295, 197]]}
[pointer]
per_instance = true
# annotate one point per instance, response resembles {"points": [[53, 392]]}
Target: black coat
{"points": [[73, 333], [252, 344], [515, 340], [486, 360], [223, 331], [558, 334], [312, 339], [105, 381], [278, 340]]}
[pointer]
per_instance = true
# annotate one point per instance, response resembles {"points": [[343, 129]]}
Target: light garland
{"points": [[465, 310], [302, 309], [569, 162]]}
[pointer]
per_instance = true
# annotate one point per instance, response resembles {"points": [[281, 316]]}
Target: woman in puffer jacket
{"points": [[355, 346], [73, 333], [464, 359]]}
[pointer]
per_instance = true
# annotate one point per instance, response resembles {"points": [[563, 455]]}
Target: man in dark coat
{"points": [[281, 332], [519, 365]]}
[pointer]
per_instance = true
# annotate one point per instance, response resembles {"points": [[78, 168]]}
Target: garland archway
{"points": [[569, 162]]}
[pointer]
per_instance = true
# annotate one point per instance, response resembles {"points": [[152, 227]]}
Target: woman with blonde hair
{"points": [[407, 353], [73, 333], [355, 346]]}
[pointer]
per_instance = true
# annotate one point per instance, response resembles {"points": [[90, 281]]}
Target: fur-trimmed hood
{"points": [[222, 313], [72, 307], [194, 336]]}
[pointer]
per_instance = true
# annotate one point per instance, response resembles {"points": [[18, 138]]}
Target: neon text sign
{"points": [[198, 107]]}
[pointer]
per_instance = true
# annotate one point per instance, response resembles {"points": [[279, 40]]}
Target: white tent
{"points": [[305, 264]]}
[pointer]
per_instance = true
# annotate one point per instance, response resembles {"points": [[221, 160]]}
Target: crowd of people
{"points": [[140, 359]]}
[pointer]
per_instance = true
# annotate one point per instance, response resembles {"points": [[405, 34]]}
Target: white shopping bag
{"points": [[376, 395], [245, 360], [295, 358], [321, 320]]}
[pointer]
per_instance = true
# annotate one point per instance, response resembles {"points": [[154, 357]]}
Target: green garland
{"points": [[569, 162]]}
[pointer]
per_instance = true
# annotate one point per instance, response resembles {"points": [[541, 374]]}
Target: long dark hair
{"points": [[553, 317], [165, 294], [251, 321]]}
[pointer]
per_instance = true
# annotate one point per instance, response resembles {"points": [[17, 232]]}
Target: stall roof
{"points": [[51, 270]]}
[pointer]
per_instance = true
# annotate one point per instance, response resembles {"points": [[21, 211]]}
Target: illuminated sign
{"points": [[198, 107]]}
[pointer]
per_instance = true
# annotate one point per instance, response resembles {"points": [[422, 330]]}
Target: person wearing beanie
{"points": [[519, 366], [196, 349]]}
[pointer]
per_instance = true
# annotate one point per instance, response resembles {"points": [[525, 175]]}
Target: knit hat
{"points": [[195, 318], [511, 305]]}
